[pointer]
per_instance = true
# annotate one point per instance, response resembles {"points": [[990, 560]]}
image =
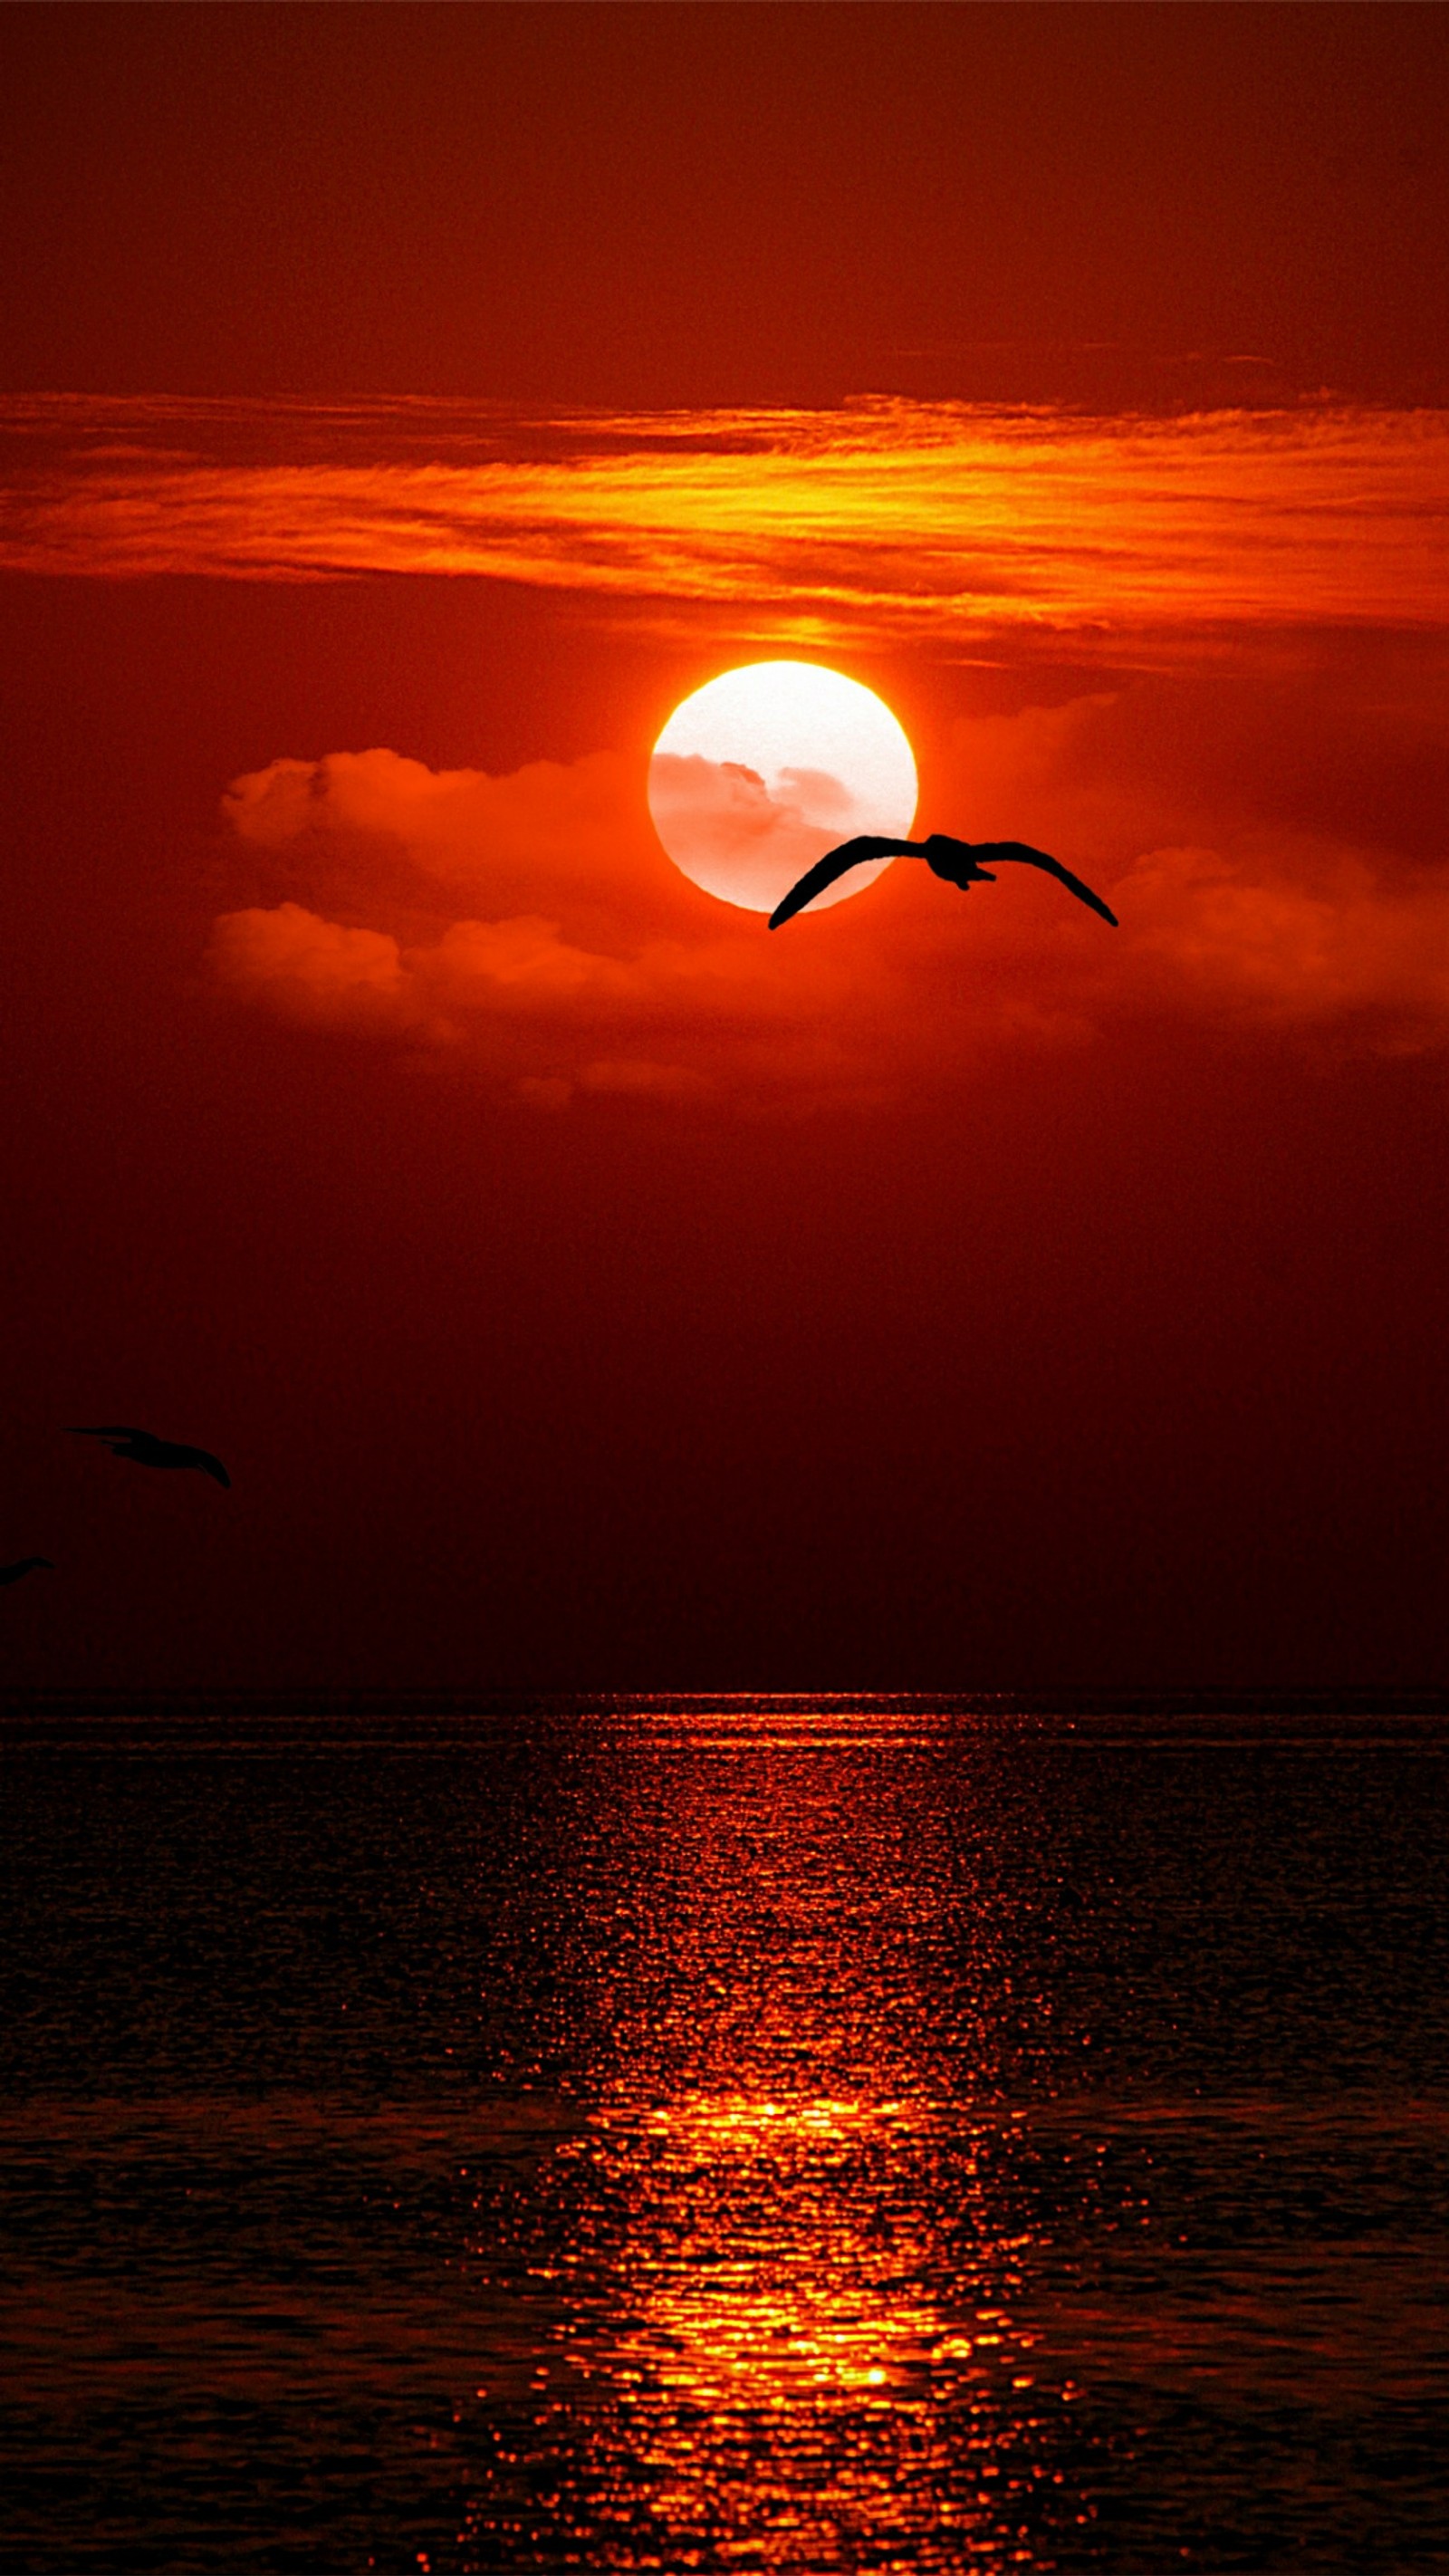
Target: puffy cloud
{"points": [[1275, 851], [312, 970], [524, 964], [1338, 949], [374, 824], [533, 924], [735, 836], [580, 959]]}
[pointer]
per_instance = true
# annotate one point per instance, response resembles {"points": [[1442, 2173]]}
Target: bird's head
{"points": [[954, 861]]}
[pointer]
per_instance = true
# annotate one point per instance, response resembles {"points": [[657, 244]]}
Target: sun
{"points": [[763, 770]]}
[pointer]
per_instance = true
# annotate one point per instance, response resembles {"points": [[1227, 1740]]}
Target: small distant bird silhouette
{"points": [[959, 862], [24, 1565], [147, 1451]]}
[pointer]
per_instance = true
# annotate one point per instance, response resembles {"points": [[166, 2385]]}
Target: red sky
{"points": [[400, 411]]}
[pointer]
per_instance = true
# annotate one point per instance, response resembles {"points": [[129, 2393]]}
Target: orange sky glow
{"points": [[526, 920], [740, 1969], [402, 413]]}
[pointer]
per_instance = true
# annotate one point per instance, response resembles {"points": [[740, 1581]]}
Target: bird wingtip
{"points": [[789, 904]]}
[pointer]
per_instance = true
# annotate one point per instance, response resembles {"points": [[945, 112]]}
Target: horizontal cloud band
{"points": [[886, 518]]}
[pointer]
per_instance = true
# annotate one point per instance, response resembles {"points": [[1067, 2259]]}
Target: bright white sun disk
{"points": [[763, 770]]}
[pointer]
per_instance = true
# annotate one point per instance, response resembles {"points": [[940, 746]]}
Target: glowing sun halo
{"points": [[763, 770]]}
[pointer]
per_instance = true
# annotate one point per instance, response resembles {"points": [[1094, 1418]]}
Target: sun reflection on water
{"points": [[773, 2375], [728, 2138], [759, 2315], [800, 2355], [782, 2252]]}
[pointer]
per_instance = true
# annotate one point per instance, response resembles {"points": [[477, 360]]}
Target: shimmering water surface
{"points": [[796, 2135]]}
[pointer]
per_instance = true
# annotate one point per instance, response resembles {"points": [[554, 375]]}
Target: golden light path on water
{"points": [[784, 2304], [787, 2320]]}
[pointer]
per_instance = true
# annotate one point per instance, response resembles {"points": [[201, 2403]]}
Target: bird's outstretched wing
{"points": [[995, 851], [209, 1465], [149, 1451], [837, 863]]}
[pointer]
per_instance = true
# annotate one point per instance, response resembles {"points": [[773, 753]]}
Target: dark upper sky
{"points": [[658, 205], [1101, 1344]]}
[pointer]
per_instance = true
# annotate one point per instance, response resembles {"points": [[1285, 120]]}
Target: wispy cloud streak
{"points": [[884, 519]]}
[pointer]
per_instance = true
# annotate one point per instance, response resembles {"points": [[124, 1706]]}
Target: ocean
{"points": [[702, 2134]]}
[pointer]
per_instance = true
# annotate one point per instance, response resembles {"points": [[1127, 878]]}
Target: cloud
{"points": [[356, 819], [315, 971], [967, 527], [532, 926], [740, 839], [1214, 815], [638, 1076], [1337, 948], [532, 921]]}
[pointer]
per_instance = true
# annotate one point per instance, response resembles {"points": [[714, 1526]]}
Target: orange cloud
{"points": [[575, 828], [1335, 946], [532, 925], [731, 832], [312, 970], [578, 957], [955, 524]]}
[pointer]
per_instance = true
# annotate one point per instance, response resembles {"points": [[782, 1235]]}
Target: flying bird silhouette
{"points": [[959, 862], [24, 1565], [147, 1451]]}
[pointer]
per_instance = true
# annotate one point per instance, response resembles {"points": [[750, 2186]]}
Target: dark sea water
{"points": [[797, 2135]]}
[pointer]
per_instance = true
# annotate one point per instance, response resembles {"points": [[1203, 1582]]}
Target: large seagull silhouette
{"points": [[959, 862]]}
